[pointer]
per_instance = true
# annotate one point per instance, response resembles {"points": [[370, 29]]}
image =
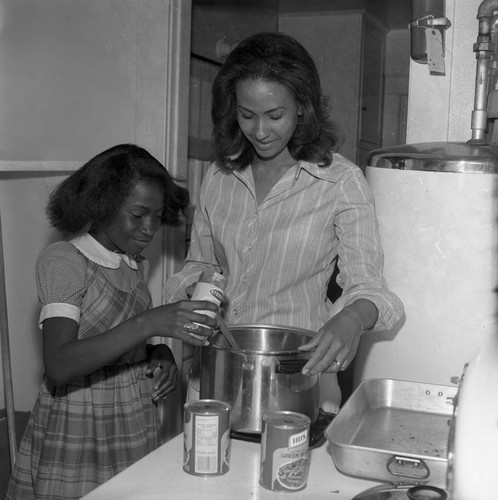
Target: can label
{"points": [[209, 292], [210, 287], [206, 437], [284, 451]]}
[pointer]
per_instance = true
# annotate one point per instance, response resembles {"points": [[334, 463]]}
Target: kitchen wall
{"points": [[440, 107], [76, 78], [396, 78]]}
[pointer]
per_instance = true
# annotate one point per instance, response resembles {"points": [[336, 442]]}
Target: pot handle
{"points": [[291, 365]]}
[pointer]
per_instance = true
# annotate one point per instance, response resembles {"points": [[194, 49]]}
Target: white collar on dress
{"points": [[99, 254]]}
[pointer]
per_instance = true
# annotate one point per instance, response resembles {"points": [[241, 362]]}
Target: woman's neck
{"points": [[266, 176]]}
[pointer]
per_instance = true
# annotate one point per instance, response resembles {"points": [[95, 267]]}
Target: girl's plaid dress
{"points": [[83, 433]]}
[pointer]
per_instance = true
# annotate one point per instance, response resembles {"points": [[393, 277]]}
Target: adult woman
{"points": [[279, 207]]}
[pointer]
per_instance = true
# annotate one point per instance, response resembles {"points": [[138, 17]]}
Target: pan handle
{"points": [[290, 365], [408, 467]]}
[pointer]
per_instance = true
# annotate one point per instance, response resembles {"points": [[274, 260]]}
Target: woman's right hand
{"points": [[180, 320]]}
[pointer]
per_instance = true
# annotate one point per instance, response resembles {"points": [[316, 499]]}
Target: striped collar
{"points": [[332, 173]]}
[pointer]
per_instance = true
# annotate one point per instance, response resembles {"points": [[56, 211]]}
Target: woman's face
{"points": [[136, 222], [267, 113]]}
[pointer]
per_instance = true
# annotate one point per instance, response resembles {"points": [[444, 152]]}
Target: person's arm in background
{"points": [[366, 303], [200, 256]]}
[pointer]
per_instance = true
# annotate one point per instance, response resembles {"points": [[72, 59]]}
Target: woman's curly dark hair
{"points": [[272, 57], [92, 195]]}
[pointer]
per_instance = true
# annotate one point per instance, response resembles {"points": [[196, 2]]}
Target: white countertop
{"points": [[160, 475]]}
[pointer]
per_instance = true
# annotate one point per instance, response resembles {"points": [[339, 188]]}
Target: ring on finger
{"points": [[190, 327], [338, 364]]}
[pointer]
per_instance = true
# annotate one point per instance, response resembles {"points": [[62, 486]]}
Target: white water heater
{"points": [[437, 208]]}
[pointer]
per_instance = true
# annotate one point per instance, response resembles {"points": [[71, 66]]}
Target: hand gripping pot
{"points": [[261, 376]]}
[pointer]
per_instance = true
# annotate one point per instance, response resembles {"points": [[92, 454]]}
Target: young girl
{"points": [[95, 414]]}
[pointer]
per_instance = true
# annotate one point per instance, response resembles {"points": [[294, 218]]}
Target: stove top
{"points": [[317, 429]]}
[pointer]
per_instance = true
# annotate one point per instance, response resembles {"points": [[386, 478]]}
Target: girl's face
{"points": [[267, 113], [136, 222]]}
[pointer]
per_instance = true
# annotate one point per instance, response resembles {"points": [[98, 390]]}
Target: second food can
{"points": [[206, 432], [285, 451]]}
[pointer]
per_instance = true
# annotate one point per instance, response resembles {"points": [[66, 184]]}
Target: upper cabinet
{"points": [[372, 89], [216, 26], [348, 48]]}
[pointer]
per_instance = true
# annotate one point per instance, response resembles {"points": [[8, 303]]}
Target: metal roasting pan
{"points": [[395, 431]]}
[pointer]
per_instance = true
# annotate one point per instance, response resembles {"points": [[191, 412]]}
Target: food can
{"points": [[284, 451], [206, 437], [210, 287]]}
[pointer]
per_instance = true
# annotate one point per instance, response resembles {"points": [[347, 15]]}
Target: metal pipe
{"points": [[484, 53], [492, 105], [487, 8]]}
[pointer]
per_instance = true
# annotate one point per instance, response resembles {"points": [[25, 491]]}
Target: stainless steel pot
{"points": [[262, 375]]}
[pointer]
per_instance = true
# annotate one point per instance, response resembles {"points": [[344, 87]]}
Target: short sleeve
{"points": [[61, 280]]}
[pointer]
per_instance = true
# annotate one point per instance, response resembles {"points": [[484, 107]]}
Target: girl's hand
{"points": [[337, 341], [161, 358], [181, 321]]}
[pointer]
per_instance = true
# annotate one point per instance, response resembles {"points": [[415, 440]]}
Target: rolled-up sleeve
{"points": [[201, 254], [360, 255]]}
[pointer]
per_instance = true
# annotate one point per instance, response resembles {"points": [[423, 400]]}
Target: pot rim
{"points": [[258, 326]]}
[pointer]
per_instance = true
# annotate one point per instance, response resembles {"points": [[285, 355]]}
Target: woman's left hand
{"points": [[336, 344], [337, 341], [160, 356]]}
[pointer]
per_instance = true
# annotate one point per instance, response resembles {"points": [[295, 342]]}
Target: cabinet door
{"points": [[370, 130], [334, 41]]}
